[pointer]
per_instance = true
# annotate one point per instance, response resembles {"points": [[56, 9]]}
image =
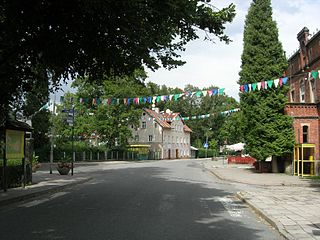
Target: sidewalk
{"points": [[288, 203], [43, 183]]}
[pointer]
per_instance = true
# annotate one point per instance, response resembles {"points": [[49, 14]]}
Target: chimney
{"points": [[302, 37]]}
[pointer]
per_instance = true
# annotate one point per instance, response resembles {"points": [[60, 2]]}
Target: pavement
{"points": [[43, 182], [289, 203]]}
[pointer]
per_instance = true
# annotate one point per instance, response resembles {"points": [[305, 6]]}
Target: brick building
{"points": [[304, 93]]}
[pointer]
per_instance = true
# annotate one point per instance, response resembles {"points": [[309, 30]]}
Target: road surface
{"points": [[154, 200]]}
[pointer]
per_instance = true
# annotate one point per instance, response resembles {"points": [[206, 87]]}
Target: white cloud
{"points": [[219, 64]]}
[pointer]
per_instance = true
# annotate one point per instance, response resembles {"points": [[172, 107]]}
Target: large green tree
{"points": [[94, 38], [268, 132]]}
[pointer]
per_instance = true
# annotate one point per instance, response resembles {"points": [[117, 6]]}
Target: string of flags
{"points": [[258, 86], [225, 113], [248, 87], [251, 87], [149, 99]]}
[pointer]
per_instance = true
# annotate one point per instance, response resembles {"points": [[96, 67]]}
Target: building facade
{"points": [[164, 132], [304, 94]]}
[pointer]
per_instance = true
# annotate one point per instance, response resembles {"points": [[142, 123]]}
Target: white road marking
{"points": [[40, 201], [232, 207]]}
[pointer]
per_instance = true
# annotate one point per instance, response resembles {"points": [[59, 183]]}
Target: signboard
{"points": [[68, 111], [205, 145], [14, 144]]}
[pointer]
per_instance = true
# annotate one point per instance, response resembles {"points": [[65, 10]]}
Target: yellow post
{"points": [[294, 160], [302, 161], [298, 160]]}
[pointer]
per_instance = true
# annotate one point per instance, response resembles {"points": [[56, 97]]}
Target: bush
{"points": [[14, 174], [202, 153]]}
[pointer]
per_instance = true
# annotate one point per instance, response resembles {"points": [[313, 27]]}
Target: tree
{"points": [[232, 130], [267, 130], [77, 38], [109, 122]]}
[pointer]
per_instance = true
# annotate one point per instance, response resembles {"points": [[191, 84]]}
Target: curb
{"points": [[234, 181], [41, 192], [270, 220], [262, 185]]}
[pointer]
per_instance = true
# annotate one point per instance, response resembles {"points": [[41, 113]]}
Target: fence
{"points": [[115, 155], [241, 160]]}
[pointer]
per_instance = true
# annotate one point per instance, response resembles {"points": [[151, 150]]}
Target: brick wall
{"points": [[305, 115]]}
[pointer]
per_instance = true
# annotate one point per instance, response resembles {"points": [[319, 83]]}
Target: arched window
{"points": [[305, 134]]}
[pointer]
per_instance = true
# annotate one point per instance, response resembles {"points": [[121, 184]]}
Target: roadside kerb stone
{"points": [[270, 220]]}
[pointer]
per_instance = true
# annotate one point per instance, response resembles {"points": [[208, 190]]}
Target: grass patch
{"points": [[315, 178]]}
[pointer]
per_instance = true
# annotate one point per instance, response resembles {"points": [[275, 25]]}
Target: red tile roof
{"points": [[164, 119], [158, 117]]}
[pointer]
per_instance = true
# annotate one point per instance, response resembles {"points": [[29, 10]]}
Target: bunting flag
{"points": [[315, 74], [150, 99], [251, 87], [225, 113], [44, 107]]}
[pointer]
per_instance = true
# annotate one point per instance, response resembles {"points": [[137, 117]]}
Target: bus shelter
{"points": [[12, 151], [304, 159]]}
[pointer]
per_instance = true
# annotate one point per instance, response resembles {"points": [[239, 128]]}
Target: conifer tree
{"points": [[268, 132]]}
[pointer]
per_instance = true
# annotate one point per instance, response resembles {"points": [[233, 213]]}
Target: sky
{"points": [[218, 64]]}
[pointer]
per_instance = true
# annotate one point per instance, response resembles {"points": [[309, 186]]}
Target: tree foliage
{"points": [[95, 38], [267, 130]]}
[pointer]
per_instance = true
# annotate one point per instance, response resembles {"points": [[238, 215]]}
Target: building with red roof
{"points": [[164, 132]]}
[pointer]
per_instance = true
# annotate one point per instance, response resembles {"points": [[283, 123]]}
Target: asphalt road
{"points": [[151, 200]]}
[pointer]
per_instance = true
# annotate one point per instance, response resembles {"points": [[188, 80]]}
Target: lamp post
{"points": [[73, 153]]}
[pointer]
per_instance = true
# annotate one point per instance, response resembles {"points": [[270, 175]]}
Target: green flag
{"points": [[198, 94], [254, 86], [314, 74], [270, 83], [44, 107], [221, 91]]}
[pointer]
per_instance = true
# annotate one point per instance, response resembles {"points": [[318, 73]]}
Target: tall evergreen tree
{"points": [[268, 132]]}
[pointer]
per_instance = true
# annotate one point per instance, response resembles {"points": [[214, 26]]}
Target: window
{"points": [[150, 138], [144, 125], [312, 91], [136, 138], [155, 125], [302, 92], [292, 96], [305, 134]]}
